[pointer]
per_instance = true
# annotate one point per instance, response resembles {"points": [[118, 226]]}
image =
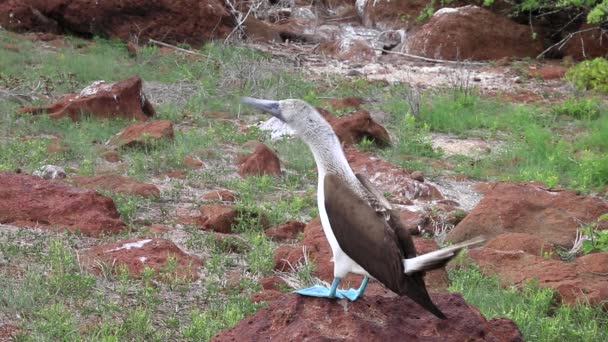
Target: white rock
{"points": [[50, 172]]}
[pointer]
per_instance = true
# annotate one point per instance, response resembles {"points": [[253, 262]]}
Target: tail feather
{"points": [[438, 258]]}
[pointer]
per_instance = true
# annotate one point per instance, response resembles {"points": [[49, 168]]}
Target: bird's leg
{"points": [[322, 291], [353, 294]]}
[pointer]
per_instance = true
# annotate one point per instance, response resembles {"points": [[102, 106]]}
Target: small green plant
{"points": [[583, 108], [260, 256], [366, 144], [597, 240], [56, 323], [590, 75]]}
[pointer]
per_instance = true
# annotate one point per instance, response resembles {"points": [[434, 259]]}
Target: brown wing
{"points": [[363, 234], [377, 195], [375, 244]]}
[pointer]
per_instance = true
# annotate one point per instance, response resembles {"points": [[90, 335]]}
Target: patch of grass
{"points": [[27, 154], [128, 205], [55, 323], [532, 308], [579, 108], [206, 324], [260, 255]]}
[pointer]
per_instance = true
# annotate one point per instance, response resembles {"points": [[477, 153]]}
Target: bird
{"points": [[364, 231]]}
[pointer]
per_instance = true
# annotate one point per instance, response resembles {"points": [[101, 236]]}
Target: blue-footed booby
{"points": [[364, 232]]}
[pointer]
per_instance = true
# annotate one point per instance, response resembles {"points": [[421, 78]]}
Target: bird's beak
{"points": [[268, 106]]}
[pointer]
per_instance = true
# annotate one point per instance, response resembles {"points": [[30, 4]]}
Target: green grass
{"points": [[567, 149], [532, 308]]}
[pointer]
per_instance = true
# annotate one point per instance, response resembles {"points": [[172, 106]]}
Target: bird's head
{"points": [[301, 117]]}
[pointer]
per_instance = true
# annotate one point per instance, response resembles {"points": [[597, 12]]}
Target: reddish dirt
{"points": [[551, 214], [219, 195], [473, 33], [111, 156], [528, 243], [118, 184], [589, 44], [414, 221], [29, 201], [260, 31], [142, 133], [272, 282], [262, 161], [166, 20], [8, 332], [286, 231], [292, 317], [136, 254], [123, 99], [193, 162], [352, 128], [57, 146], [548, 71], [581, 280], [387, 14], [389, 178], [344, 103], [218, 218]]}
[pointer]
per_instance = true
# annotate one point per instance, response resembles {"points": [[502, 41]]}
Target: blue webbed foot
{"points": [[322, 291], [353, 294], [319, 291]]}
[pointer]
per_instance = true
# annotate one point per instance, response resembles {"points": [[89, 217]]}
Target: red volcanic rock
{"points": [[123, 99], [582, 280], [352, 128], [589, 44], [263, 161], [192, 22], [218, 218], [271, 282], [528, 243], [390, 178], [292, 317], [265, 296], [176, 174], [414, 221], [344, 103], [118, 184], [316, 246], [260, 31], [219, 195], [167, 260], [193, 162], [286, 231], [474, 33], [111, 156], [387, 14], [554, 215], [142, 133], [356, 50], [29, 201], [158, 229], [57, 146], [548, 71]]}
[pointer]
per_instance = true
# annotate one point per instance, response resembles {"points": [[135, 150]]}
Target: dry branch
{"points": [[432, 60]]}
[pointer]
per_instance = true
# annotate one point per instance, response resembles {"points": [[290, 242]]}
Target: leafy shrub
{"points": [[584, 108], [590, 75], [598, 239]]}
